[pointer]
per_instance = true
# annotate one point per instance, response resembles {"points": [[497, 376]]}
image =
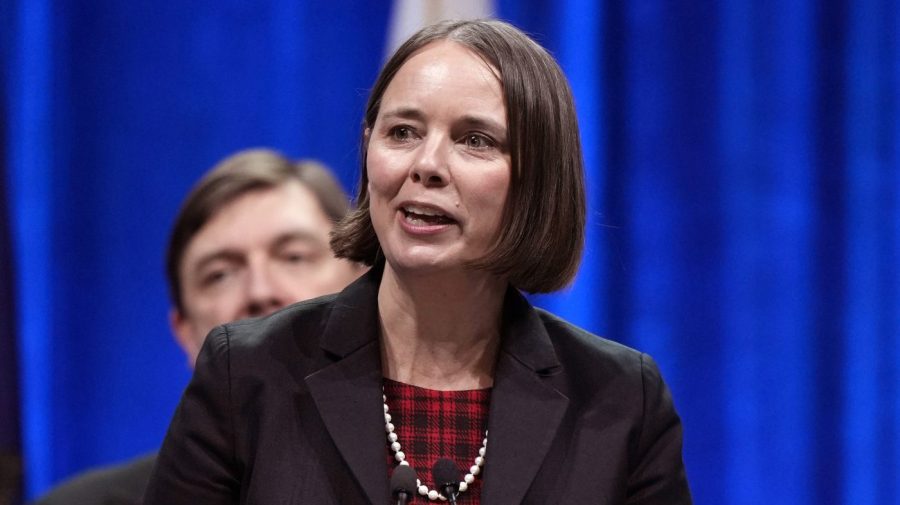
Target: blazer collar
{"points": [[524, 335], [526, 404], [525, 411], [347, 390], [354, 321]]}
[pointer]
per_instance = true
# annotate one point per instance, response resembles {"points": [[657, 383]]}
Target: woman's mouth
{"points": [[417, 215]]}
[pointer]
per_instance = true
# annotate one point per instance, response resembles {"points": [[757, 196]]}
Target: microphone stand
{"points": [[446, 479], [450, 491], [403, 497], [403, 484]]}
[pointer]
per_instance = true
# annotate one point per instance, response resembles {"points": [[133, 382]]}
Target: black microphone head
{"points": [[403, 480], [446, 473]]}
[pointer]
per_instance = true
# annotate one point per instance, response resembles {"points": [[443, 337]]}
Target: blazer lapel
{"points": [[347, 391], [526, 409], [525, 413]]}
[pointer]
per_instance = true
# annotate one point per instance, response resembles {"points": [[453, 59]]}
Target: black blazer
{"points": [[288, 410]]}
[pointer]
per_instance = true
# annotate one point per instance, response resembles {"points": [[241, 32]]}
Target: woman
{"points": [[471, 191]]}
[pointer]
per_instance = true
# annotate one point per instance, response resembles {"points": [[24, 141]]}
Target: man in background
{"points": [[251, 237]]}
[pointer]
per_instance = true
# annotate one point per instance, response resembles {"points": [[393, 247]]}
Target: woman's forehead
{"points": [[449, 71]]}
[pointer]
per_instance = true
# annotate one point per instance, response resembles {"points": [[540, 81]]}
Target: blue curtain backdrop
{"points": [[743, 164]]}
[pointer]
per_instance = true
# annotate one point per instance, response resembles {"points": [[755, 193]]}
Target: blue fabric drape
{"points": [[744, 227], [115, 109], [746, 204]]}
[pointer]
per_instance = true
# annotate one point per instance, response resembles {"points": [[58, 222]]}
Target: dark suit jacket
{"points": [[121, 484], [288, 410]]}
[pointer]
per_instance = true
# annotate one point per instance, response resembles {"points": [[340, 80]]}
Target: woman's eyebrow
{"points": [[468, 119], [405, 113], [485, 123]]}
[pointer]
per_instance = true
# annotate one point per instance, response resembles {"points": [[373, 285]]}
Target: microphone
{"points": [[403, 484], [446, 478]]}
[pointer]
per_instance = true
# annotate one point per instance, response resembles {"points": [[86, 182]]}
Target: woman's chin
{"points": [[424, 260], [419, 264]]}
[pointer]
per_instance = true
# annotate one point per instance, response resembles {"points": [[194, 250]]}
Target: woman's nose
{"points": [[431, 165]]}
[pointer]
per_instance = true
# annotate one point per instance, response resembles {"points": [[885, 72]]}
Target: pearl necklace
{"points": [[432, 494]]}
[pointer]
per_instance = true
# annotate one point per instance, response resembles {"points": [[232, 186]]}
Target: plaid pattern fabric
{"points": [[438, 424]]}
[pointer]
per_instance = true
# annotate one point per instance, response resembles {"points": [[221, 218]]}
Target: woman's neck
{"points": [[440, 331]]}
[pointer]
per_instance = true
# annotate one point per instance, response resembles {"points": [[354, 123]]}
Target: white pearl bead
{"points": [[423, 490], [406, 463], [484, 443], [463, 486], [432, 495], [385, 408], [393, 438], [387, 417], [478, 461], [400, 456], [469, 478], [395, 446], [474, 470], [384, 400], [480, 451], [389, 427]]}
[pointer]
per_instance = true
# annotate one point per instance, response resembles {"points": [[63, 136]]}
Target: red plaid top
{"points": [[438, 424]]}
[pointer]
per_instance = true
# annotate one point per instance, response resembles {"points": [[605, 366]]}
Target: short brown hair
{"points": [[240, 173], [542, 229]]}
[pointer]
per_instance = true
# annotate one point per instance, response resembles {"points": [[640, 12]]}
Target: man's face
{"points": [[262, 251]]}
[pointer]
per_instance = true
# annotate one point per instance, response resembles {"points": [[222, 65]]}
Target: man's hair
{"points": [[236, 175], [542, 229]]}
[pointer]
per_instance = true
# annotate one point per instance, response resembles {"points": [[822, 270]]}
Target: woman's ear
{"points": [[367, 135]]}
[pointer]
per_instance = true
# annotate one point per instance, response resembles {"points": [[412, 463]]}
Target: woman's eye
{"points": [[401, 133], [478, 141]]}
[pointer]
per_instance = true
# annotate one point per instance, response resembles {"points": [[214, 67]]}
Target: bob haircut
{"points": [[236, 175], [542, 228]]}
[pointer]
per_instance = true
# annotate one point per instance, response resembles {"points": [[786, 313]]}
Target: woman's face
{"points": [[438, 160]]}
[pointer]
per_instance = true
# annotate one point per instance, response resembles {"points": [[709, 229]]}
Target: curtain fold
{"points": [[747, 202]]}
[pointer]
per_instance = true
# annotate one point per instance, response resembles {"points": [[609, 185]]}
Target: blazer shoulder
{"points": [[286, 341], [595, 369], [306, 318], [576, 345]]}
